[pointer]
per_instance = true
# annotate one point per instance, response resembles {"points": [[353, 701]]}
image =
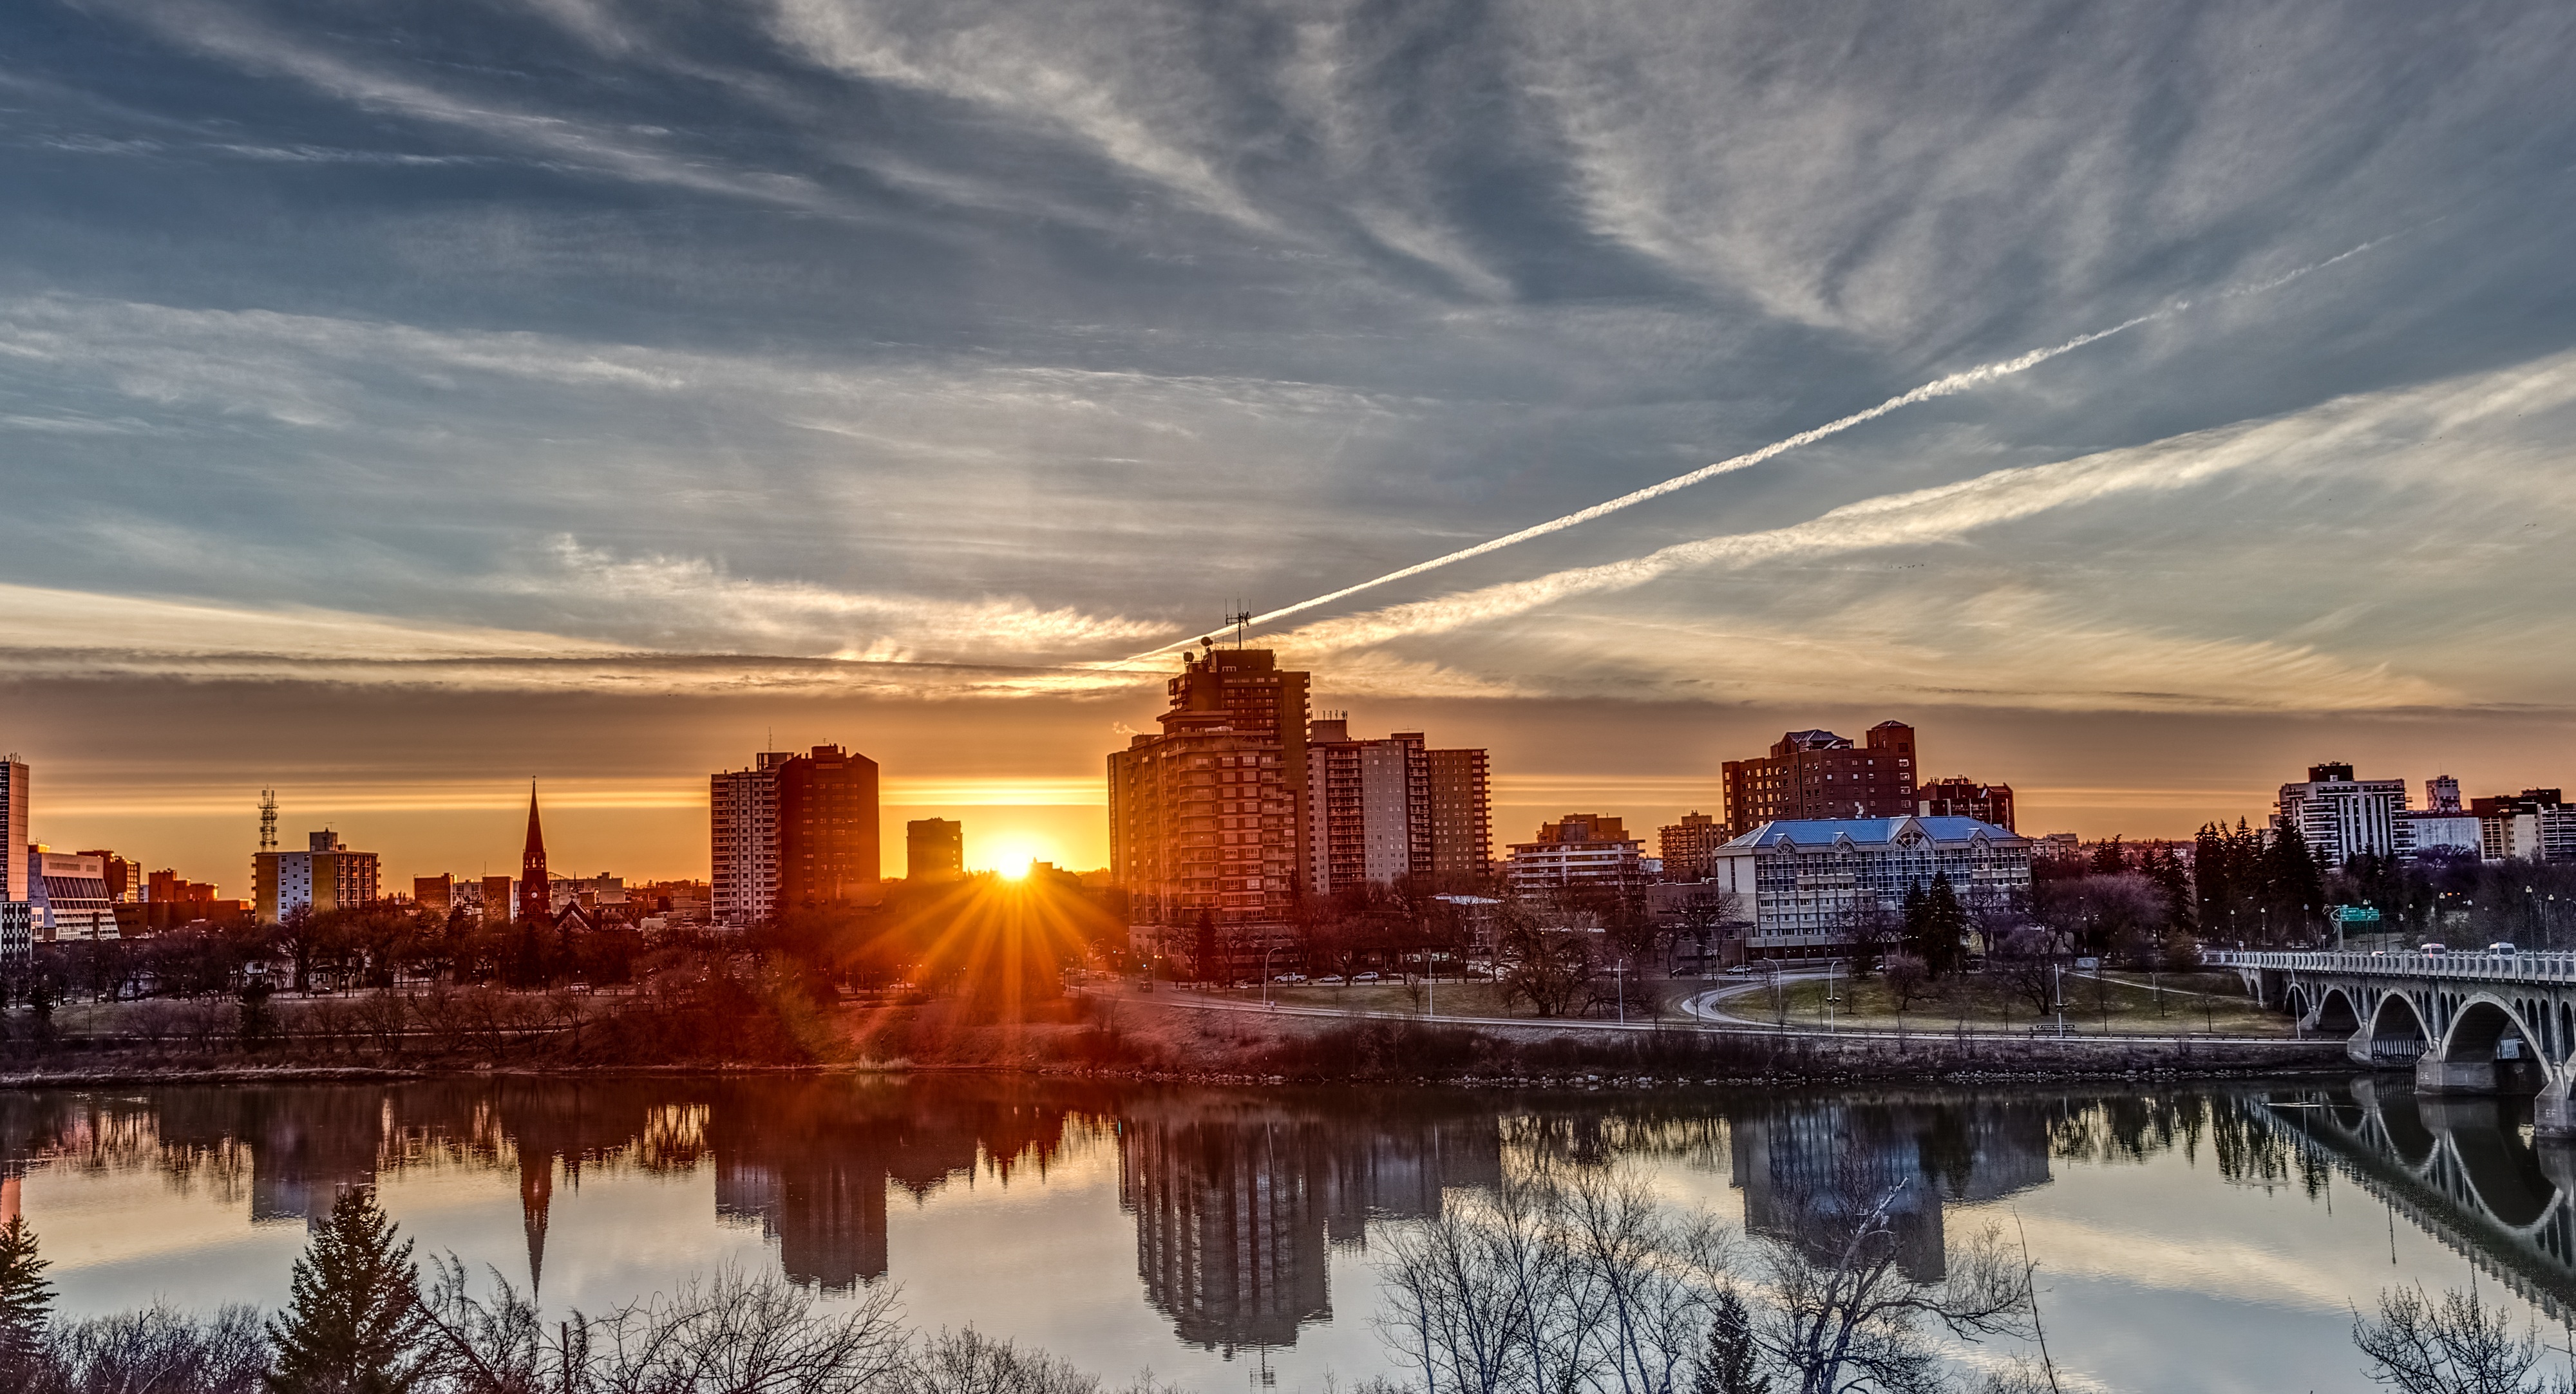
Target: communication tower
{"points": [[268, 820]]}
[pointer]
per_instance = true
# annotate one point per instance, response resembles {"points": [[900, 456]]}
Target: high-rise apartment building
{"points": [[742, 810], [791, 831], [2341, 817], [1817, 774], [1367, 807], [1958, 797], [1208, 816], [1381, 810], [1686, 846], [327, 875], [1462, 823], [2442, 795], [15, 794], [827, 828], [2525, 825], [934, 849]]}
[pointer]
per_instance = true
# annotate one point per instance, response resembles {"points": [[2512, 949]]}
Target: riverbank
{"points": [[1170, 1035]]}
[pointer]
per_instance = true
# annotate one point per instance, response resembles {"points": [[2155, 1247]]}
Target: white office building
{"points": [[2342, 817]]}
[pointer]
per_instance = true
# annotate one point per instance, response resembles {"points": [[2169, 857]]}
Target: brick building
{"points": [[1817, 774]]}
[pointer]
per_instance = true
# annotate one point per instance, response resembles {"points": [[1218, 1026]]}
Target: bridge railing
{"points": [[2554, 967]]}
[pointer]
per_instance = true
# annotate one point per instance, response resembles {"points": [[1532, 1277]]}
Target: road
{"points": [[1710, 1021]]}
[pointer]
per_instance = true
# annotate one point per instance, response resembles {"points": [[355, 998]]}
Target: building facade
{"points": [[2438, 832], [1367, 807], [1958, 797], [15, 794], [2340, 816], [1208, 816], [1578, 852], [1817, 774], [1809, 884], [792, 831], [1687, 846], [1462, 816], [828, 850], [742, 815], [327, 875], [934, 849], [68, 899]]}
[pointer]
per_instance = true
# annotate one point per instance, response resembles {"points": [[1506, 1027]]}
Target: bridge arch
{"points": [[2337, 1013], [2478, 1024], [2398, 1031]]}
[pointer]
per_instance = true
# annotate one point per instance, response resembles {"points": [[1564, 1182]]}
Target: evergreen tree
{"points": [[355, 1324], [2296, 886], [1731, 1363], [2110, 857], [24, 1298], [1913, 931], [2210, 878], [1203, 953], [1945, 926]]}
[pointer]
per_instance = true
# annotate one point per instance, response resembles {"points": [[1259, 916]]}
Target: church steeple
{"points": [[536, 898]]}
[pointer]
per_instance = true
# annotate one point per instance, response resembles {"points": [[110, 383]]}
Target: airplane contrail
{"points": [[1938, 387]]}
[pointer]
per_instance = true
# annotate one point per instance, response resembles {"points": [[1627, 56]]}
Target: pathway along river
{"points": [[2189, 1239]]}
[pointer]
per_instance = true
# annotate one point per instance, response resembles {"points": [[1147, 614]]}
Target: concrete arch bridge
{"points": [[2471, 1023]]}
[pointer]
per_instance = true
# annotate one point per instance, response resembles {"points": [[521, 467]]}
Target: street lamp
{"points": [[1265, 973]]}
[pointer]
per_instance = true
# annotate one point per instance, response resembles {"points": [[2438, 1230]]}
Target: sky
{"points": [[403, 401]]}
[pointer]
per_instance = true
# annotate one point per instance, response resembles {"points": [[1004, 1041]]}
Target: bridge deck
{"points": [[2534, 968]]}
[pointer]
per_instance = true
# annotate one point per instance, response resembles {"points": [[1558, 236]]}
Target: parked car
{"points": [[1739, 970], [1364, 977], [1329, 980], [1289, 978]]}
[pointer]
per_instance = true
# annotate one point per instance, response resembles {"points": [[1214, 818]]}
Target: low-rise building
{"points": [[1580, 851], [1960, 797], [327, 875], [67, 897], [1824, 884]]}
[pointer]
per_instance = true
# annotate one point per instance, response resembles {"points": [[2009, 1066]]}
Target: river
{"points": [[2192, 1238]]}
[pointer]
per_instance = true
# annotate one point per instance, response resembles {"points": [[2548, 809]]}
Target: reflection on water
{"points": [[1240, 1203], [2461, 1169]]}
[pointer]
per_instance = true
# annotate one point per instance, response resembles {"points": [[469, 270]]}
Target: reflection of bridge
{"points": [[2465, 1023], [2458, 1169]]}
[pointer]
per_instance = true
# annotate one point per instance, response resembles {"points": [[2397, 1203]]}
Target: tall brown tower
{"points": [[536, 898], [827, 827]]}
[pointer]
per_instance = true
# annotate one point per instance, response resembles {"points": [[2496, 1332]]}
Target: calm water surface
{"points": [[2192, 1239]]}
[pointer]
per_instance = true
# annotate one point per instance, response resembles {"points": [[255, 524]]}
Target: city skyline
{"points": [[579, 393]]}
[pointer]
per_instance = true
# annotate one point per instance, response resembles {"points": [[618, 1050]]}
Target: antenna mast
{"points": [[268, 820], [1242, 622]]}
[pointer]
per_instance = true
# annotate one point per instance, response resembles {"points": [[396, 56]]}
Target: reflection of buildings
{"points": [[1235, 1214], [1807, 1167]]}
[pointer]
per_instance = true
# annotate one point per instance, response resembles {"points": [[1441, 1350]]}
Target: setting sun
{"points": [[1009, 855]]}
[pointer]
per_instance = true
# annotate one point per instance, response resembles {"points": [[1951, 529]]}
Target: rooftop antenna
{"points": [[1241, 619], [268, 820]]}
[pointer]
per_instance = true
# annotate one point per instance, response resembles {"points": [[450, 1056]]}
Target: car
{"points": [[1289, 978], [1329, 980], [2379, 953], [1364, 977], [1739, 970], [2433, 949], [2501, 947], [1480, 975]]}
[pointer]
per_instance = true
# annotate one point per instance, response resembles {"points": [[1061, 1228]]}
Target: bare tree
{"points": [[156, 1351], [1842, 1317], [2458, 1345], [1908, 980]]}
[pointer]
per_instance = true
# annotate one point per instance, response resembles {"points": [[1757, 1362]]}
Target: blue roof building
{"points": [[1825, 885]]}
